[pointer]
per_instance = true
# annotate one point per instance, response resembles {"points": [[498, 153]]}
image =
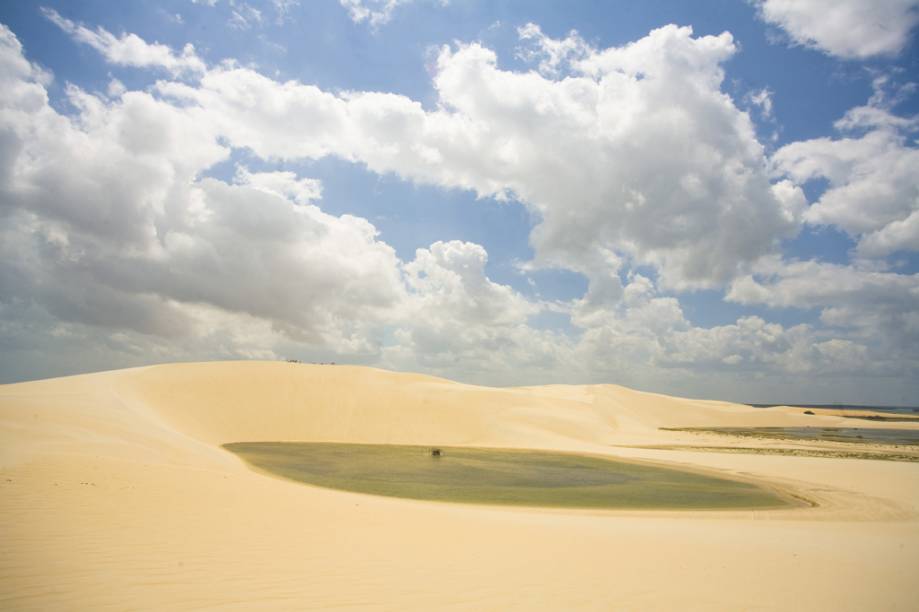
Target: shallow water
{"points": [[500, 476]]}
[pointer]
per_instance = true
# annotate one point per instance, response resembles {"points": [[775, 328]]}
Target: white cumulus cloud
{"points": [[284, 184], [130, 49], [374, 12], [872, 173], [850, 29]]}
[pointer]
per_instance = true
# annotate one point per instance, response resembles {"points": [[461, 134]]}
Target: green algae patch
{"points": [[502, 477]]}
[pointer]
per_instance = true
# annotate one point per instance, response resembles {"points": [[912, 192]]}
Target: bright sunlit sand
{"points": [[116, 492]]}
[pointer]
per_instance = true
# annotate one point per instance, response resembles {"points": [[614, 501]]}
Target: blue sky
{"points": [[496, 192]]}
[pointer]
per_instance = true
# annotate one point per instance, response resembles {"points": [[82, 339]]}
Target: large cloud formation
{"points": [[663, 156], [105, 219], [114, 237]]}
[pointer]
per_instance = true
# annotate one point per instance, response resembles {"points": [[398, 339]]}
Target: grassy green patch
{"points": [[882, 418], [893, 437], [501, 476], [793, 452]]}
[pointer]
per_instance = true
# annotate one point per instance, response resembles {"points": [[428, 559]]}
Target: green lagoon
{"points": [[502, 476]]}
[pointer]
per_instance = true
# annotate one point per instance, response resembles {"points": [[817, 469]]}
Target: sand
{"points": [[115, 494]]}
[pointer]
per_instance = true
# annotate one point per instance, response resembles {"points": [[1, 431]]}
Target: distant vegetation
{"points": [[852, 435], [843, 407], [311, 362]]}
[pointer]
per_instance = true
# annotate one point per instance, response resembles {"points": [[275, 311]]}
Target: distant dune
{"points": [[115, 494]]}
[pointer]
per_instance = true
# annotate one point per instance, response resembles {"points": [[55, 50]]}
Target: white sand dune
{"points": [[115, 494]]}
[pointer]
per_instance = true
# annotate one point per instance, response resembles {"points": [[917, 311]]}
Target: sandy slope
{"points": [[114, 494]]}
